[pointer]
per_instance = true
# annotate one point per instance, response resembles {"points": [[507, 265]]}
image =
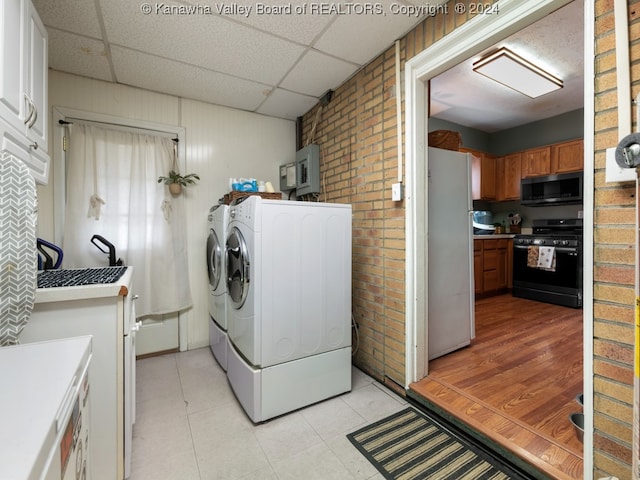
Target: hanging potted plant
{"points": [[177, 181], [174, 180]]}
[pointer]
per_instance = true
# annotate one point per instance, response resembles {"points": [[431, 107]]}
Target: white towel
{"points": [[545, 257]]}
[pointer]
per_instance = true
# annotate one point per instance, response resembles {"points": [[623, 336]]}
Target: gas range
{"points": [[558, 281], [553, 233], [549, 241]]}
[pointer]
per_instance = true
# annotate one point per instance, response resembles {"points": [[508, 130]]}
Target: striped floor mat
{"points": [[409, 445]]}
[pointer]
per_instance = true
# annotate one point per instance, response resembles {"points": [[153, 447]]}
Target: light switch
{"points": [[396, 192]]}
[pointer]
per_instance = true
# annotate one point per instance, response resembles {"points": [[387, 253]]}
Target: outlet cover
{"points": [[613, 172]]}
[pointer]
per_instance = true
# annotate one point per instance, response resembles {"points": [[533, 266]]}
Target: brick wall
{"points": [[614, 261], [357, 135]]}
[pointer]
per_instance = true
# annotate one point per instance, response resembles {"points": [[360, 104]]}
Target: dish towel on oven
{"points": [[547, 258], [543, 258], [18, 262], [533, 254]]}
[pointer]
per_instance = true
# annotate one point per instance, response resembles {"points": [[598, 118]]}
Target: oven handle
{"points": [[558, 249]]}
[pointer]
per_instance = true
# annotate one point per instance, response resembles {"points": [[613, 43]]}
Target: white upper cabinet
{"points": [[24, 115], [11, 77], [36, 85]]}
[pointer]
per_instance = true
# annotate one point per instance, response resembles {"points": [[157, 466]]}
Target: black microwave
{"points": [[561, 189]]}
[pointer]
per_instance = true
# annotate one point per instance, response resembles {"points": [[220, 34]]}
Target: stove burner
{"points": [[81, 276], [553, 233]]}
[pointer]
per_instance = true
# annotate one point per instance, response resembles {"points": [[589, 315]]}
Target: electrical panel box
{"points": [[288, 177], [308, 170]]}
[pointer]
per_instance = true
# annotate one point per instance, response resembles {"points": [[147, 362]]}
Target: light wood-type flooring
{"points": [[517, 383]]}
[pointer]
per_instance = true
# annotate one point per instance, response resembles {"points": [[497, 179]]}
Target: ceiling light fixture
{"points": [[515, 72]]}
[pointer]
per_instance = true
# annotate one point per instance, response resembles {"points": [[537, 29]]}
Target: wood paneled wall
{"points": [[220, 143]]}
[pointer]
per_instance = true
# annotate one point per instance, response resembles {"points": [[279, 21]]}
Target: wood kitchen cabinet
{"points": [[477, 266], [483, 175], [567, 157], [509, 174], [557, 158], [492, 261], [536, 161]]}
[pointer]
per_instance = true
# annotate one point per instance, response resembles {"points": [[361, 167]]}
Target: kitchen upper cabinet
{"points": [[23, 86], [536, 161], [483, 175], [36, 85], [11, 85], [509, 174], [567, 157]]}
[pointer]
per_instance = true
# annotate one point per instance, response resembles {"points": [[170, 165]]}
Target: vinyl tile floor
{"points": [[189, 426]]}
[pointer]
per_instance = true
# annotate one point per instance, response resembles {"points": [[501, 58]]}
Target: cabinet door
{"points": [[488, 178], [12, 73], [536, 161], [502, 268], [489, 265], [14, 142], [477, 266], [483, 175], [36, 85], [510, 264], [567, 157], [512, 174]]}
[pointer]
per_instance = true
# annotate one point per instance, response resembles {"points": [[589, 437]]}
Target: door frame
{"points": [[469, 39]]}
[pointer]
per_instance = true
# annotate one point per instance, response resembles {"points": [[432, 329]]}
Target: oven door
{"points": [[561, 285]]}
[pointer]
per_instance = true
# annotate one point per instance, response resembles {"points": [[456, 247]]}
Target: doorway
{"points": [[472, 38]]}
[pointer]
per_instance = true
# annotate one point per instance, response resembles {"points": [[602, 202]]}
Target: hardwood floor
{"points": [[517, 382]]}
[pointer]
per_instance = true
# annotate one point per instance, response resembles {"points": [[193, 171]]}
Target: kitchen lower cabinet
{"points": [[477, 266], [492, 265]]}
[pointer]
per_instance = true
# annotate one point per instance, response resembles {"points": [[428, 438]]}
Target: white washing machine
{"points": [[289, 303], [216, 267]]}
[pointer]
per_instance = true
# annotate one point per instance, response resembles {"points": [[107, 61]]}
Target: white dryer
{"points": [[289, 296], [216, 266]]}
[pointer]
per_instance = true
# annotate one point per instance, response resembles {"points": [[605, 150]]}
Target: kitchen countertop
{"points": [[498, 235]]}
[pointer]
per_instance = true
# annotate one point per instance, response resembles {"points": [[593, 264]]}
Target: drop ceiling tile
{"points": [[375, 33], [316, 73], [167, 76], [284, 104], [205, 40], [297, 23], [70, 15], [79, 55]]}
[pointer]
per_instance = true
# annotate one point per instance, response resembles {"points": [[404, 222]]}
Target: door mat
{"points": [[410, 445]]}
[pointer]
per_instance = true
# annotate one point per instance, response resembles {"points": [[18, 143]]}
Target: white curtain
{"points": [[112, 191]]}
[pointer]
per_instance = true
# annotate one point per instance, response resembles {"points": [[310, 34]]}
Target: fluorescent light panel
{"points": [[515, 72]]}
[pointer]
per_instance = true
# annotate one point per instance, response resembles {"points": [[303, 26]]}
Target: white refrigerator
{"points": [[450, 288]]}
